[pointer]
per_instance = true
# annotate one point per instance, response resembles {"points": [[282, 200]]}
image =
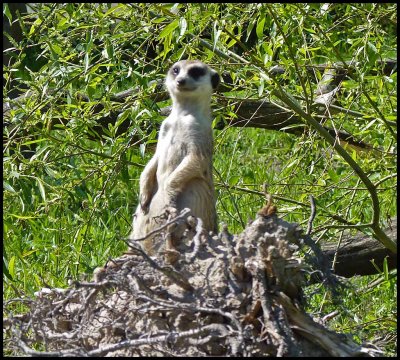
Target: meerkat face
{"points": [[191, 78]]}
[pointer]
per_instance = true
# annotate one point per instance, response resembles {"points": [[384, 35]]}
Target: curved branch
{"points": [[295, 106]]}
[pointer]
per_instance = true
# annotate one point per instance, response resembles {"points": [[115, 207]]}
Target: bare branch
{"points": [[312, 215]]}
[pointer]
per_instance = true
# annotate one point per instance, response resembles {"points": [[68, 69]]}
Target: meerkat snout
{"points": [[181, 82], [191, 76]]}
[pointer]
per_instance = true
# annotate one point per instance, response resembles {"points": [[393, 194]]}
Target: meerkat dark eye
{"points": [[196, 72], [175, 70]]}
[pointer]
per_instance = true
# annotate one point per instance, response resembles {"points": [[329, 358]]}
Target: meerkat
{"points": [[179, 175]]}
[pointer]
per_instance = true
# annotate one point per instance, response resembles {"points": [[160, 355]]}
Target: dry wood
{"points": [[243, 300], [356, 254]]}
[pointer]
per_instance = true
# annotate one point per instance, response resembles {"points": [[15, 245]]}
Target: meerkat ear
{"points": [[214, 79]]}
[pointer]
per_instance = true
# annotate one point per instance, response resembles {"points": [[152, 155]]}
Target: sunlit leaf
{"points": [[168, 29], [41, 189], [7, 186], [260, 26], [11, 267], [7, 12]]}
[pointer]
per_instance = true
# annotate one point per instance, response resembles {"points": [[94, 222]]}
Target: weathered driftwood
{"points": [[356, 255], [225, 296]]}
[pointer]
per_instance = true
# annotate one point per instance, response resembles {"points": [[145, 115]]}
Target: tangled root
{"points": [[219, 295]]}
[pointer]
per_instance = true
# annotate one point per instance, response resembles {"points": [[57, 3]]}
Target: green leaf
{"points": [[183, 26], [372, 53], [142, 149], [8, 187], [53, 174], [158, 20], [295, 161], [5, 270], [217, 33], [33, 141], [386, 268], [87, 61], [29, 252], [321, 182], [332, 174], [14, 174], [233, 180], [38, 153], [62, 24], [376, 266], [91, 91], [41, 189], [168, 29], [37, 279], [260, 26], [11, 267], [350, 84], [118, 7], [57, 49], [109, 49], [249, 177], [249, 29], [292, 126], [122, 117], [23, 217], [261, 87], [369, 124], [34, 26], [7, 12]]}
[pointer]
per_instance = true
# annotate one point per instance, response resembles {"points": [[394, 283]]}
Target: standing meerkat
{"points": [[180, 173]]}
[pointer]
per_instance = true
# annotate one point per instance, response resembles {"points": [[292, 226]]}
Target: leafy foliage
{"points": [[71, 185]]}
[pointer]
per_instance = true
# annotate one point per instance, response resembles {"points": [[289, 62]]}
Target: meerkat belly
{"points": [[198, 195], [170, 159], [173, 148], [197, 192]]}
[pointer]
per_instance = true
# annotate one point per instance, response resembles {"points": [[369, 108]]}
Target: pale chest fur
{"points": [[180, 136]]}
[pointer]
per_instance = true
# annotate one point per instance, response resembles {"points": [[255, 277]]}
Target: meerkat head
{"points": [[191, 78]]}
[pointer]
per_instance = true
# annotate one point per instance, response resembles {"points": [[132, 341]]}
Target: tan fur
{"points": [[180, 173]]}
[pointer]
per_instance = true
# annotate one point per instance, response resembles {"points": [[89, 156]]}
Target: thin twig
{"points": [[173, 275], [196, 241], [312, 215], [183, 213], [170, 337]]}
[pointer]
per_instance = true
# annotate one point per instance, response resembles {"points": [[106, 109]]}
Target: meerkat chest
{"points": [[180, 137]]}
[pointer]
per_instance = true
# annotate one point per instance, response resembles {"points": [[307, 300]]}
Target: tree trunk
{"points": [[355, 254]]}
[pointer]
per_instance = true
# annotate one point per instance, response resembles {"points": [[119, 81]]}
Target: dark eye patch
{"points": [[196, 71], [175, 70]]}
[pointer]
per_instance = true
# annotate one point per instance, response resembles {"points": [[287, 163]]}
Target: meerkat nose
{"points": [[181, 82]]}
